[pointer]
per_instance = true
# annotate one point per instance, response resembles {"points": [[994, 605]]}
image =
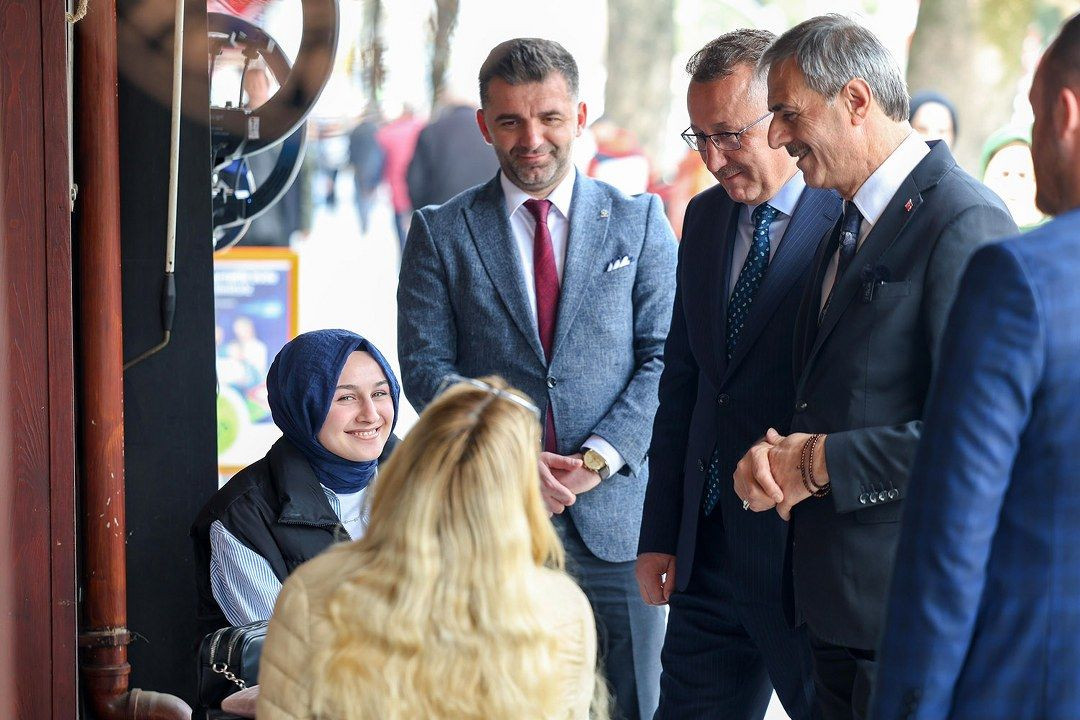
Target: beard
{"points": [[535, 176]]}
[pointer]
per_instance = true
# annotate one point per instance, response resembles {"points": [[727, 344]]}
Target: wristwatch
{"points": [[596, 462]]}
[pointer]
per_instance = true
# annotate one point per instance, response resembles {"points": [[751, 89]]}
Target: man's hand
{"points": [[754, 480], [579, 479], [655, 574], [555, 495], [785, 454]]}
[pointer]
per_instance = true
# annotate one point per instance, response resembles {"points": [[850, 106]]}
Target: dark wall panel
{"points": [[169, 406]]}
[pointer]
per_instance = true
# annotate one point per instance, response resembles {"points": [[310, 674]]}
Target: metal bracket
{"points": [[113, 637]]}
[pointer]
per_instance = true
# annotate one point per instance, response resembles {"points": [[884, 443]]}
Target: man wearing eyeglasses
{"points": [[563, 286], [746, 249]]}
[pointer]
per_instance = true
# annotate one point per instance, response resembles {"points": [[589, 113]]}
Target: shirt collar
{"points": [[874, 195], [560, 197], [785, 199]]}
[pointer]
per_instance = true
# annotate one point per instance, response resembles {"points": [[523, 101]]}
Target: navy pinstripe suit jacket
{"points": [[707, 403]]}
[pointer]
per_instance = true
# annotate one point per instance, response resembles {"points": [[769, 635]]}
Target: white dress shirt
{"points": [[523, 226], [785, 201], [873, 197]]}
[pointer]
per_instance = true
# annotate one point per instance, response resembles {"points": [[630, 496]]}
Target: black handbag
{"points": [[228, 663]]}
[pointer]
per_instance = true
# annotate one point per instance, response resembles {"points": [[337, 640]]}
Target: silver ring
{"points": [[745, 504]]}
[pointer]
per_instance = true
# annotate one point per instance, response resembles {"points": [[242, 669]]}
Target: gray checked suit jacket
{"points": [[463, 307]]}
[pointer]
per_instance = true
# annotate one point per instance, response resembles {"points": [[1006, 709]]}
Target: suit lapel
{"points": [[590, 213], [811, 219], [898, 213], [490, 230], [719, 282], [807, 323]]}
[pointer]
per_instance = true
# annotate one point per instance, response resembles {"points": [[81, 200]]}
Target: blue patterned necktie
{"points": [[751, 275], [746, 287]]}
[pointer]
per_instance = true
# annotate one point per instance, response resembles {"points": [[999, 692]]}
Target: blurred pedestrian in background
{"points": [[398, 139], [451, 155], [1008, 171], [367, 159], [933, 116]]}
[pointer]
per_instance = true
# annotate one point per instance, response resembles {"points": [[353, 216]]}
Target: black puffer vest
{"points": [[274, 506]]}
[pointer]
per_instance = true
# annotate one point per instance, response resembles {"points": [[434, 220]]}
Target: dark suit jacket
{"points": [[451, 156], [705, 402], [863, 376], [991, 538]]}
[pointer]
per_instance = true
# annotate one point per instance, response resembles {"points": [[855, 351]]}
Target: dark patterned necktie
{"points": [[849, 243], [742, 297], [546, 279], [751, 275]]}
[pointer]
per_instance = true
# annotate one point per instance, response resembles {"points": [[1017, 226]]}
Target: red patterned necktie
{"points": [[546, 279]]}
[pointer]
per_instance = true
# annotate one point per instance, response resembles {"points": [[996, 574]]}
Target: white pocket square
{"points": [[618, 263]]}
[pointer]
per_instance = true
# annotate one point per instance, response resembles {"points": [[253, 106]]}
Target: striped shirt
{"points": [[242, 581]]}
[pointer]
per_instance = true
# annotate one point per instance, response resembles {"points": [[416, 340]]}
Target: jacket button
{"points": [[862, 498], [873, 497], [552, 382], [722, 399], [800, 406], [881, 496], [700, 465], [893, 493]]}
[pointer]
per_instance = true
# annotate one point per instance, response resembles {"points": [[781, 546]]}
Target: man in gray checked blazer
{"points": [[564, 286]]}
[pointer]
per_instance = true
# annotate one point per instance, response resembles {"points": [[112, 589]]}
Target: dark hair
{"points": [[527, 60], [1061, 63], [720, 56]]}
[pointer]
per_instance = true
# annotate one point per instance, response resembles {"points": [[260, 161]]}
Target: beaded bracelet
{"points": [[802, 466], [806, 468]]}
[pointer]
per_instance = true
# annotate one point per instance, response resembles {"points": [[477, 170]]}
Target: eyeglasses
{"points": [[452, 379], [720, 140]]}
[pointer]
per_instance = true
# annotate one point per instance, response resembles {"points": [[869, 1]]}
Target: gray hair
{"points": [[527, 60], [721, 56], [831, 50]]}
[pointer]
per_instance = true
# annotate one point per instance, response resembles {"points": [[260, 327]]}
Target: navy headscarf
{"points": [[300, 388]]}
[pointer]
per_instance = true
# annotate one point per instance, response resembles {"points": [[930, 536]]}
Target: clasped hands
{"points": [[563, 478], [768, 475]]}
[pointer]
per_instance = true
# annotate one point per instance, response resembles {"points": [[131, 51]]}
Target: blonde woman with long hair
{"points": [[454, 604]]}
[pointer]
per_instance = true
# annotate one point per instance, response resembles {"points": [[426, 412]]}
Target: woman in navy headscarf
{"points": [[335, 399]]}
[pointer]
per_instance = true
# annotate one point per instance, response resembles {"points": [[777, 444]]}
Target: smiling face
{"points": [[532, 127], [358, 422], [755, 172], [813, 129]]}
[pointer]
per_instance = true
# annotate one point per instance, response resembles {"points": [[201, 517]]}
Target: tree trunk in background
{"points": [[640, 49], [371, 52], [970, 51], [443, 21]]}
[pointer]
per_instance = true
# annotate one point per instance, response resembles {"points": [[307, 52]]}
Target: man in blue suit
{"points": [[984, 607], [563, 286], [743, 264]]}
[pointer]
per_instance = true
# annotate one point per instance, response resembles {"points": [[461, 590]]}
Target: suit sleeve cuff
{"points": [[611, 456]]}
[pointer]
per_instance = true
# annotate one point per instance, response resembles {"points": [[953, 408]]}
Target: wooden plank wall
{"points": [[37, 448]]}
